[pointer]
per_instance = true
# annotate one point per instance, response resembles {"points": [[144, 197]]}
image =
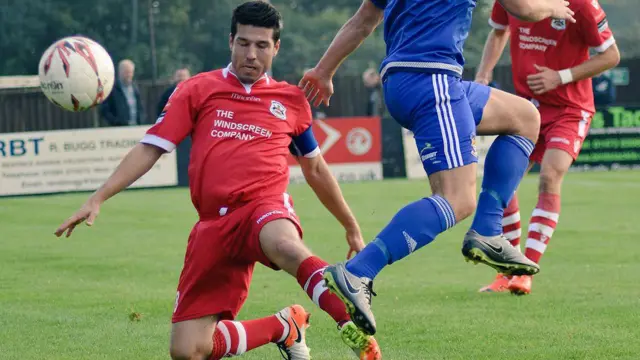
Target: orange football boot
{"points": [[294, 346], [500, 284], [520, 285]]}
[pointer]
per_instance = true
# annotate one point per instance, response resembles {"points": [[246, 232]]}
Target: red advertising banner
{"points": [[352, 146], [348, 140]]}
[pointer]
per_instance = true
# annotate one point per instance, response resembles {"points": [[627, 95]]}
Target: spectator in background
{"points": [[179, 76], [375, 104], [123, 107], [604, 90]]}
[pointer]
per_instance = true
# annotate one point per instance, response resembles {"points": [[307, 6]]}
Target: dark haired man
{"points": [[243, 125]]}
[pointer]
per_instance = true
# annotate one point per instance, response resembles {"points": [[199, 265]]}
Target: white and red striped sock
{"points": [[542, 225], [511, 222], [233, 338], [310, 279]]}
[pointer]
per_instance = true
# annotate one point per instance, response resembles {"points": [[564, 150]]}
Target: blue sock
{"points": [[413, 227], [504, 167]]}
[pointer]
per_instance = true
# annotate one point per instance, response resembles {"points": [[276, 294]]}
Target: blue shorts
{"points": [[442, 111]]}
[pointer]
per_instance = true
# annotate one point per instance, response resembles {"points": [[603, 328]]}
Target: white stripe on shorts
{"points": [[442, 127], [452, 120]]}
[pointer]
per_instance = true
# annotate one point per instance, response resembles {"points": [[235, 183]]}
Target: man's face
{"points": [[181, 75], [252, 52], [126, 73]]}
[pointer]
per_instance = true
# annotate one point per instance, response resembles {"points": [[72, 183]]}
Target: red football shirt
{"points": [[240, 136], [558, 45]]}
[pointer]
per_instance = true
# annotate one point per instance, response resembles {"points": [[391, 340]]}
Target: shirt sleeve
{"points": [[175, 122], [499, 19], [303, 141], [594, 27], [380, 4]]}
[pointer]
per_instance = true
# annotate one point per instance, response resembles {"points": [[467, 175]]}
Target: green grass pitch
{"points": [[72, 298]]}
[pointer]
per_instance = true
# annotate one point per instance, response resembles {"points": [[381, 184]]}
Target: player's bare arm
{"points": [[536, 10], [493, 49], [324, 184], [137, 162], [548, 79], [317, 83]]}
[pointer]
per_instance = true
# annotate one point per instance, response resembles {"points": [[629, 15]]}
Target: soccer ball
{"points": [[76, 73]]}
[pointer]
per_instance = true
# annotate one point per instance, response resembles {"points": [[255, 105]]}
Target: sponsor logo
{"points": [[175, 305], [474, 149], [560, 140], [245, 98], [411, 243], [270, 213], [53, 86], [359, 141], [240, 131]]}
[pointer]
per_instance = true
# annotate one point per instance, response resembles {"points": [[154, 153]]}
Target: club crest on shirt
{"points": [[278, 110], [559, 24]]}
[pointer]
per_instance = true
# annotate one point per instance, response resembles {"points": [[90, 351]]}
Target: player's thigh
{"points": [[276, 231], [505, 113], [564, 132], [212, 281], [192, 338], [436, 109], [282, 245]]}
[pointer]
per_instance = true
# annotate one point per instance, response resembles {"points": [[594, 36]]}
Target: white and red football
{"points": [[76, 73]]}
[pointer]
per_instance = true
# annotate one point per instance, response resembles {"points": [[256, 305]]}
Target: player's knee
{"points": [[187, 351], [550, 180], [529, 126], [282, 245], [463, 205]]}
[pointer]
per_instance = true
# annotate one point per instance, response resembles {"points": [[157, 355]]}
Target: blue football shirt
{"points": [[425, 35]]}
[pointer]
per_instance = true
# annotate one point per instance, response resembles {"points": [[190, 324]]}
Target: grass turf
{"points": [[72, 298]]}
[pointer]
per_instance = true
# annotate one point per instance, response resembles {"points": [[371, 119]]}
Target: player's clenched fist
{"points": [[89, 212], [317, 84]]}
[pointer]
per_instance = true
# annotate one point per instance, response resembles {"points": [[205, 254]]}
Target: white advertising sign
{"points": [[72, 160]]}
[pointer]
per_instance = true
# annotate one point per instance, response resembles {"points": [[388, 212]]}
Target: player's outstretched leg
{"points": [[204, 338], [281, 243], [436, 110], [505, 165], [287, 329]]}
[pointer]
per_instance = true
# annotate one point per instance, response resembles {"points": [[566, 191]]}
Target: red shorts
{"points": [[561, 128], [220, 257]]}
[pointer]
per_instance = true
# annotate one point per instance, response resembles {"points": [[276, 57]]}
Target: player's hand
{"points": [[560, 10], [483, 79], [545, 80], [355, 241], [317, 86], [89, 212]]}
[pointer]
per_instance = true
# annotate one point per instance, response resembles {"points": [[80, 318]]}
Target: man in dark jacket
{"points": [[179, 76], [123, 107]]}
